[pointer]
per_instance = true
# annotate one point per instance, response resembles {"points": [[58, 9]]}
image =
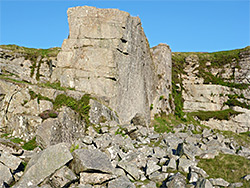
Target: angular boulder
{"points": [[44, 164], [86, 160]]}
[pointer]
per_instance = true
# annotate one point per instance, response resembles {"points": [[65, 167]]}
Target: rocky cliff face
{"points": [[217, 82], [107, 54], [80, 117]]}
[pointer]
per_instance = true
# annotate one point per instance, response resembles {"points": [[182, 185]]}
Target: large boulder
{"points": [[44, 164], [107, 54], [67, 127]]}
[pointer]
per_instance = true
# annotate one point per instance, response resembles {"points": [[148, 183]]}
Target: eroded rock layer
{"points": [[107, 54]]}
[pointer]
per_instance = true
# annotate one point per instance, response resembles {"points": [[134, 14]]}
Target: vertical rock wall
{"points": [[107, 54]]}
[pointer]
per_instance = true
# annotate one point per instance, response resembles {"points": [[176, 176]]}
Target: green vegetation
{"points": [[39, 97], [217, 60], [17, 140], [232, 101], [30, 145], [220, 115], [242, 139], [229, 167], [81, 106], [162, 125], [74, 147], [55, 85], [29, 52]]}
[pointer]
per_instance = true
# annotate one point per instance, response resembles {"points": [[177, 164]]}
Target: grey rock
{"points": [[184, 164], [234, 185], [219, 182], [103, 141], [162, 58], [50, 159], [193, 177], [246, 177], [171, 164], [100, 113], [95, 178], [10, 161], [176, 181], [199, 171], [102, 62], [62, 177], [203, 183], [149, 185], [151, 167], [68, 127], [121, 182], [6, 176], [159, 152], [206, 133], [130, 168], [158, 176], [90, 160], [139, 119]]}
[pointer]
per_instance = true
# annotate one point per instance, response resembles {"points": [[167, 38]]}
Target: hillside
{"points": [[106, 110]]}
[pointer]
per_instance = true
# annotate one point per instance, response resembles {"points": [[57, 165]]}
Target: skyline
{"points": [[204, 26]]}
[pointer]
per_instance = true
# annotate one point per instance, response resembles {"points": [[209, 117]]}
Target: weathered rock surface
{"points": [[107, 54], [68, 127], [44, 164], [90, 160]]}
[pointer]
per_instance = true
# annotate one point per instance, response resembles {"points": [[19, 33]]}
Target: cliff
{"points": [[106, 110]]}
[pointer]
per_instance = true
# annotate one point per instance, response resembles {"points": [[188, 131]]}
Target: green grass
{"points": [[17, 140], [30, 145], [229, 167], [51, 52], [162, 125], [55, 85], [217, 59], [220, 115], [242, 139], [81, 106]]}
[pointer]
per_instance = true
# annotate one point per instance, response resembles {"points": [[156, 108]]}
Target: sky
{"points": [[185, 25]]}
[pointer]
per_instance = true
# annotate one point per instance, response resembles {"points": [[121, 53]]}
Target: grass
{"points": [[162, 124], [243, 139], [29, 52], [217, 59], [229, 167], [30, 145], [220, 115], [55, 85], [81, 106]]}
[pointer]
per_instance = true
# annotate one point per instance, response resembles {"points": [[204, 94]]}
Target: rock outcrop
{"points": [[107, 54]]}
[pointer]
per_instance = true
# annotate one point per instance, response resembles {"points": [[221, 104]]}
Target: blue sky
{"points": [[184, 25]]}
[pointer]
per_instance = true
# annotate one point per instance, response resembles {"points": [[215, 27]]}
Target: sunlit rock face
{"points": [[107, 54]]}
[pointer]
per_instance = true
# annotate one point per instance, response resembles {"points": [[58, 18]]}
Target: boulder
{"points": [[121, 182], [67, 127], [6, 176], [43, 165], [203, 183], [95, 178], [219, 182], [10, 161], [109, 58], [91, 160], [176, 181], [62, 177]]}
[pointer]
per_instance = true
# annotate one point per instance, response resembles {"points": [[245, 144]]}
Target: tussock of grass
{"points": [[55, 85], [30, 145], [81, 106], [220, 115], [229, 167]]}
